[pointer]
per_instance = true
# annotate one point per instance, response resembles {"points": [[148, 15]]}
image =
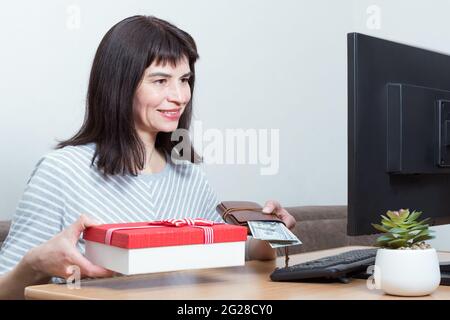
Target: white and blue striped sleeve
{"points": [[38, 216], [210, 200]]}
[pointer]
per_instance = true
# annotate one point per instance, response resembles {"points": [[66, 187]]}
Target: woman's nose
{"points": [[176, 94]]}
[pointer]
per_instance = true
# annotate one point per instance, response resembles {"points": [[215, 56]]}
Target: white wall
{"points": [[264, 64]]}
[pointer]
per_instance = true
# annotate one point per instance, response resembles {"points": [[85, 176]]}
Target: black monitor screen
{"points": [[398, 131]]}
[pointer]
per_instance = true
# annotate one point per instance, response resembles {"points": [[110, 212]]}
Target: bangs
{"points": [[170, 48]]}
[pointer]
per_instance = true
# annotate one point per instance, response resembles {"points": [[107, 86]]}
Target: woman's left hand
{"points": [[274, 207]]}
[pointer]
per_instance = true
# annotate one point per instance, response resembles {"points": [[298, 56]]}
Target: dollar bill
{"points": [[280, 244], [275, 232]]}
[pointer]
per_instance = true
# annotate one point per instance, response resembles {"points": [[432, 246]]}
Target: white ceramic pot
{"points": [[407, 272]]}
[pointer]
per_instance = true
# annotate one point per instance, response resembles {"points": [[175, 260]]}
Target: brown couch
{"points": [[324, 227], [318, 227]]}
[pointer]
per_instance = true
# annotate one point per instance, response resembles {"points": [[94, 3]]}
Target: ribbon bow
{"points": [[184, 222], [196, 223]]}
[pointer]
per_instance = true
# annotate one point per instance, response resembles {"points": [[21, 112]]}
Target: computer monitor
{"points": [[398, 132]]}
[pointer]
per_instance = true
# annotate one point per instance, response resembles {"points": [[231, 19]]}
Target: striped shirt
{"points": [[65, 185]]}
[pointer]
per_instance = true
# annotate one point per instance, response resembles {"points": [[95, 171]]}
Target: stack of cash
{"points": [[275, 233]]}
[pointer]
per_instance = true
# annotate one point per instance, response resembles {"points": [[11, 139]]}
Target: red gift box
{"points": [[161, 235], [167, 245]]}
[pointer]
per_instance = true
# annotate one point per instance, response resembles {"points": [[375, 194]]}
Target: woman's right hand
{"points": [[57, 256]]}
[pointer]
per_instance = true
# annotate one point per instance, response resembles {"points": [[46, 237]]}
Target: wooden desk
{"points": [[246, 282]]}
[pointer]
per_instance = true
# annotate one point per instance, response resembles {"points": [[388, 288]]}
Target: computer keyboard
{"points": [[445, 274], [336, 267], [340, 267]]}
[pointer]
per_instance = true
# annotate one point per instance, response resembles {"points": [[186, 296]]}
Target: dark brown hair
{"points": [[126, 50]]}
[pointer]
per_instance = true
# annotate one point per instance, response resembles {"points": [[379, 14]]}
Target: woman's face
{"points": [[161, 97]]}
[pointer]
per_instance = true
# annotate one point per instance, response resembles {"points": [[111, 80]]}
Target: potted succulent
{"points": [[405, 264]]}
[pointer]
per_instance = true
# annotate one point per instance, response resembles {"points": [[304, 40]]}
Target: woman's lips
{"points": [[171, 114]]}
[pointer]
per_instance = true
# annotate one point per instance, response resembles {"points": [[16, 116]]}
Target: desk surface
{"points": [[245, 282]]}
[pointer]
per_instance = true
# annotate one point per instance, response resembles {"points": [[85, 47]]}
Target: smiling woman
{"points": [[119, 166], [143, 64]]}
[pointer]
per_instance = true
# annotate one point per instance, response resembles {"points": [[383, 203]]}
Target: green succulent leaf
{"points": [[393, 215], [397, 243], [423, 221], [422, 238], [398, 230], [414, 216], [388, 223], [403, 214], [385, 238], [380, 227], [418, 227], [422, 233]]}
